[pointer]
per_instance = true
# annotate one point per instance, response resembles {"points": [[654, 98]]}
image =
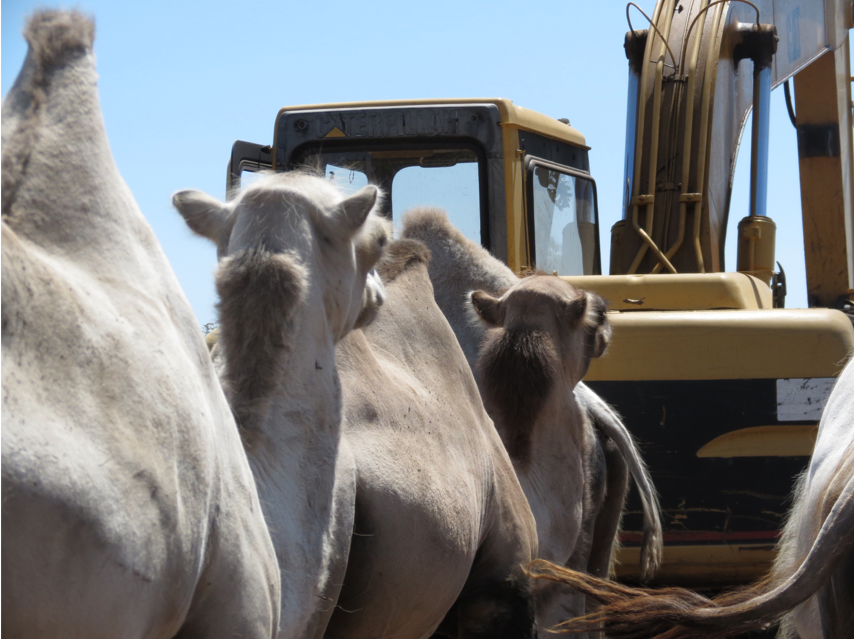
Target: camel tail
{"points": [[676, 613], [612, 426]]}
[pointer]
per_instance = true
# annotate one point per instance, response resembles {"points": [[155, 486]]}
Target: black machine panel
{"points": [[705, 500]]}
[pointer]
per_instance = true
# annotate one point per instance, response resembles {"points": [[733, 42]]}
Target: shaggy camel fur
{"points": [[528, 370], [129, 509], [293, 279], [442, 526], [811, 586]]}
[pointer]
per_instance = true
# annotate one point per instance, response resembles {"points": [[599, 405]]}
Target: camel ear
{"points": [[205, 215], [602, 340], [488, 308], [598, 324], [352, 212], [576, 308]]}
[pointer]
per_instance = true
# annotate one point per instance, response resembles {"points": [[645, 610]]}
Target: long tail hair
{"points": [[676, 613]]}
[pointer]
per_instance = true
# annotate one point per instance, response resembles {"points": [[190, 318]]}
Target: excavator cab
{"points": [[515, 181]]}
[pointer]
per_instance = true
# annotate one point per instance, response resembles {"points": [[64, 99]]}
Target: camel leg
{"points": [[595, 490], [607, 525], [495, 609], [496, 601], [557, 603], [340, 537]]}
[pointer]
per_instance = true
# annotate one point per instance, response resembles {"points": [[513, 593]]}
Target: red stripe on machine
{"points": [[673, 537]]}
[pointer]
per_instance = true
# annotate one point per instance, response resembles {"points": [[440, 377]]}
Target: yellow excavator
{"points": [[721, 384]]}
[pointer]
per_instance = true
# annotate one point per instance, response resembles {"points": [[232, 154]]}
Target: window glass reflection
{"points": [[348, 180], [564, 222], [452, 188], [448, 178]]}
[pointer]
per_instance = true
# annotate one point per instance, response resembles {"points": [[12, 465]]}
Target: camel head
{"points": [[562, 327], [327, 242]]}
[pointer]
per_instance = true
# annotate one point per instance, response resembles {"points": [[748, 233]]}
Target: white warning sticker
{"points": [[802, 400]]}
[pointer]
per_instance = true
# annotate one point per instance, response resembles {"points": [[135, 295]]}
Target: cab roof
{"points": [[511, 114]]}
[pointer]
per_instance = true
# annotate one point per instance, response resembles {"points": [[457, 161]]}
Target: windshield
{"points": [[448, 178]]}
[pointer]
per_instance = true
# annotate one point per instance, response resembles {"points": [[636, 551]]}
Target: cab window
{"points": [[448, 177], [562, 220], [347, 179], [452, 188]]}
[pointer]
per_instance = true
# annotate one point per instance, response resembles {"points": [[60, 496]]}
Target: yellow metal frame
{"points": [[796, 440], [728, 344], [823, 97], [678, 292]]}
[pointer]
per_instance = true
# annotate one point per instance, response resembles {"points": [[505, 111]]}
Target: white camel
{"points": [[529, 345], [295, 255], [129, 508], [824, 495], [442, 527]]}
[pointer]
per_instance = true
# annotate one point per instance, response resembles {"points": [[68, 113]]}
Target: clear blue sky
{"points": [[180, 81]]}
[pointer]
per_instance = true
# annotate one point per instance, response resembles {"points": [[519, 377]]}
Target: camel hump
{"points": [[428, 221], [401, 256], [55, 36]]}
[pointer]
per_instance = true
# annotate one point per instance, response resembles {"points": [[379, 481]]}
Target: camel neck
{"points": [[286, 386]]}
